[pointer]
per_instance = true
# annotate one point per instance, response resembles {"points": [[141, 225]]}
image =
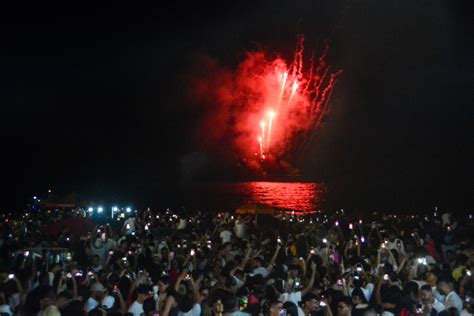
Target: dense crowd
{"points": [[177, 263]]}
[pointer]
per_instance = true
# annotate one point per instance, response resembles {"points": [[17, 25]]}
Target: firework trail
{"points": [[266, 109]]}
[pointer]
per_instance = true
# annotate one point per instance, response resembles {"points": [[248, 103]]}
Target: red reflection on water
{"points": [[297, 196]]}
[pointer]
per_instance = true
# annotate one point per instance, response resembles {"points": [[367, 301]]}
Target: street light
{"points": [[114, 209], [99, 210], [90, 209], [129, 210]]}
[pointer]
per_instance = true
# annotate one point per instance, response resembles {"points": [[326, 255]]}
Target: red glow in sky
{"points": [[266, 108]]}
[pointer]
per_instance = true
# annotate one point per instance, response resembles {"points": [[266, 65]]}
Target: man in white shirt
{"points": [[452, 298], [225, 235], [240, 227], [428, 300], [143, 291], [97, 294]]}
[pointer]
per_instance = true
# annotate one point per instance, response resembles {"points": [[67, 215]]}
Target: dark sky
{"points": [[93, 97]]}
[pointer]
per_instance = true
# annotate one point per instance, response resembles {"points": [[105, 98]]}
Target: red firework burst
{"points": [[267, 108]]}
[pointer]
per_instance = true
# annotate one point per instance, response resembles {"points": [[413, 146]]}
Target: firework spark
{"points": [[306, 99], [266, 107]]}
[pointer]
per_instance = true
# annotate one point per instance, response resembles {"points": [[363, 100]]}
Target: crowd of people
{"points": [[181, 263]]}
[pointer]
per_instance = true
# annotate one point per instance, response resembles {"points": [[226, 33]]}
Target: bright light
{"points": [[115, 208], [49, 191], [128, 210], [271, 114], [90, 210], [100, 209], [34, 197]]}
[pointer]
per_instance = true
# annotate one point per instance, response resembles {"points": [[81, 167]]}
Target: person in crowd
{"points": [[452, 299], [178, 263]]}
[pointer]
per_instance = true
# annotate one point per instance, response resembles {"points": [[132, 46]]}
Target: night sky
{"points": [[94, 99]]}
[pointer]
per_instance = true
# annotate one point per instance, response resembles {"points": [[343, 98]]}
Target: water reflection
{"points": [[298, 196], [295, 196]]}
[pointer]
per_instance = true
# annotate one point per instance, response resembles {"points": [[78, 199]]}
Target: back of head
{"points": [[452, 311], [291, 308], [230, 302], [97, 312], [149, 305]]}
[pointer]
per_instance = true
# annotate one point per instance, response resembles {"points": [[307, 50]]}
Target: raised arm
{"points": [[195, 292], [310, 284], [272, 261]]}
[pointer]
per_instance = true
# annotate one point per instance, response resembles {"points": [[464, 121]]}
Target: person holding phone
{"points": [[296, 296], [428, 301]]}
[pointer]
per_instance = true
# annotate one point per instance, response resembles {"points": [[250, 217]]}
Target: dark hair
{"points": [[164, 279], [229, 300], [427, 288], [149, 305], [346, 300], [291, 308], [359, 293], [412, 287], [308, 297], [98, 311], [452, 311]]}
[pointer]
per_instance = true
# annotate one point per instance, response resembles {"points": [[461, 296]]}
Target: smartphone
{"points": [[385, 277], [419, 309], [192, 252], [282, 312], [111, 252], [69, 275], [79, 274], [422, 260], [322, 303], [279, 240], [11, 276], [171, 255], [339, 282]]}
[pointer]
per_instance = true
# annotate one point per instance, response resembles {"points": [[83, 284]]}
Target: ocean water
{"points": [[297, 196]]}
